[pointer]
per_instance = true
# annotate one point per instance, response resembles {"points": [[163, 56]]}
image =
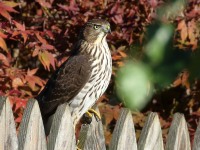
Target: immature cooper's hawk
{"points": [[84, 77]]}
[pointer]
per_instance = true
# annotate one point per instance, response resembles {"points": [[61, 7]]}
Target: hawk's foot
{"points": [[94, 112], [87, 117]]}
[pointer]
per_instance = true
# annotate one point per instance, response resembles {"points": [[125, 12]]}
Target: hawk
{"points": [[83, 77]]}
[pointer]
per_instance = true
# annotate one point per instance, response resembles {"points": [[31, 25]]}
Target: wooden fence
{"points": [[31, 134]]}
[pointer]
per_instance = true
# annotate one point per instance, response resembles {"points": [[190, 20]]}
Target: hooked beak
{"points": [[106, 29]]}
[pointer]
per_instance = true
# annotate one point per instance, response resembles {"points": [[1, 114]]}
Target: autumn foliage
{"points": [[37, 36]]}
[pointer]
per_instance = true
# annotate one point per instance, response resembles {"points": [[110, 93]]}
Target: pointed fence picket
{"points": [[92, 135], [124, 132], [8, 136], [31, 134], [151, 135], [62, 135]]}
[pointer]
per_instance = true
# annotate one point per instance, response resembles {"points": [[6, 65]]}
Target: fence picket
{"points": [[31, 132], [178, 136], [151, 135], [62, 134], [8, 136], [92, 135], [124, 132]]}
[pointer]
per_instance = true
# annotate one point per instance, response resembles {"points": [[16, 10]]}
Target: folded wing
{"points": [[64, 84]]}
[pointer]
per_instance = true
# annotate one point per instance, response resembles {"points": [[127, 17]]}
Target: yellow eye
{"points": [[96, 27]]}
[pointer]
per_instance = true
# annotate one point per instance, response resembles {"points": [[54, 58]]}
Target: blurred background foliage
{"points": [[154, 45]]}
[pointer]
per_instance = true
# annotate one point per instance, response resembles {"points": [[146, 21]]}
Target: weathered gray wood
{"points": [[151, 135], [92, 135], [196, 144], [62, 134], [8, 136], [31, 132], [83, 136], [123, 137], [178, 137]]}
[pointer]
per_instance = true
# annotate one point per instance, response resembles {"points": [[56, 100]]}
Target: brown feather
{"points": [[64, 84]]}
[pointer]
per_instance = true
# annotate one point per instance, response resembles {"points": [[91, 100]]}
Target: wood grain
{"points": [[31, 133], [124, 133], [92, 135], [178, 137], [8, 136], [62, 134], [151, 135]]}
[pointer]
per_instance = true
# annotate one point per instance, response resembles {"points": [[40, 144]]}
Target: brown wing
{"points": [[64, 84]]}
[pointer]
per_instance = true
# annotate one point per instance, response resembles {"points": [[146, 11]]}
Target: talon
{"points": [[77, 144], [89, 114], [77, 148], [94, 112]]}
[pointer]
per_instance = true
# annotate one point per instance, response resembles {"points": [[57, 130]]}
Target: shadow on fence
{"points": [[62, 136]]}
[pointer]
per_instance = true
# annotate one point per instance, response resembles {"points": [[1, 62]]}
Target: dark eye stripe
{"points": [[94, 24], [97, 25]]}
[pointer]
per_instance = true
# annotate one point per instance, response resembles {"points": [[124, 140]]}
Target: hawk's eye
{"points": [[96, 27]]}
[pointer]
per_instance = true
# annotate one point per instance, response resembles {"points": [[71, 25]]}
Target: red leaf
{"points": [[116, 57], [181, 25], [20, 103], [3, 44], [43, 3], [4, 59], [3, 35], [32, 72], [73, 8], [25, 36], [15, 33], [14, 92], [5, 14], [153, 3], [17, 82], [39, 81], [31, 82], [193, 33], [42, 40], [50, 34], [6, 7], [18, 119], [183, 29], [114, 8], [47, 47], [123, 54], [19, 26]]}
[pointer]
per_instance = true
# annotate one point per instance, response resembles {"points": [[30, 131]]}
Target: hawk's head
{"points": [[95, 30]]}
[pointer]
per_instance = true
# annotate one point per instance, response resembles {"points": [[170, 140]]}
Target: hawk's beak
{"points": [[106, 29]]}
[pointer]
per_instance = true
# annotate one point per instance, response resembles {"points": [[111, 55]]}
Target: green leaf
{"points": [[133, 85]]}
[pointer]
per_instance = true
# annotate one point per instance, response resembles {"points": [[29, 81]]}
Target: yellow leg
{"points": [[94, 112]]}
